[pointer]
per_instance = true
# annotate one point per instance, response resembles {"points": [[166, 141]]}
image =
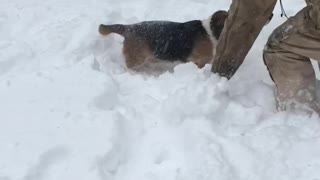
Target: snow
{"points": [[70, 109]]}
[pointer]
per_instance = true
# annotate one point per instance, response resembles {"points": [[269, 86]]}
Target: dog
{"points": [[151, 41]]}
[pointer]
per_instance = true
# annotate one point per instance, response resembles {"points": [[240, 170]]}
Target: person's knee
{"points": [[268, 58], [268, 54], [272, 47]]}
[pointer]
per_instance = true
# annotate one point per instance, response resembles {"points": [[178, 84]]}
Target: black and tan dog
{"points": [[151, 41]]}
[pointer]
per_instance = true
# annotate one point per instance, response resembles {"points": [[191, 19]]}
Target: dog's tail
{"points": [[108, 29]]}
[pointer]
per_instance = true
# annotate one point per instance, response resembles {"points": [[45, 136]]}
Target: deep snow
{"points": [[71, 110]]}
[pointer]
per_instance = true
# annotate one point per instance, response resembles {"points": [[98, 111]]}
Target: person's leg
{"points": [[242, 27], [287, 56]]}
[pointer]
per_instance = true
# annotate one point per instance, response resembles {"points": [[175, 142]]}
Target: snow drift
{"points": [[70, 109]]}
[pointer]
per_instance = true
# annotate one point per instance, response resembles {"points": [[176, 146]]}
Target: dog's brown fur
{"points": [[202, 52], [136, 54]]}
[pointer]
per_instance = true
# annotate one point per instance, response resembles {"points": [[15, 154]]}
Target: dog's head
{"points": [[217, 22]]}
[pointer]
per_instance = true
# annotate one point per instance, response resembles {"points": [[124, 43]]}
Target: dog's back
{"points": [[168, 40]]}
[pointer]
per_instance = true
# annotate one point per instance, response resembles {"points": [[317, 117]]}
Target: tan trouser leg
{"points": [[287, 56], [242, 27]]}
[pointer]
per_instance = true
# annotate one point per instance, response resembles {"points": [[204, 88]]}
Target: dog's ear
{"points": [[217, 22]]}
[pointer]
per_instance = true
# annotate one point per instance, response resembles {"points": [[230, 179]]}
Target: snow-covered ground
{"points": [[71, 110]]}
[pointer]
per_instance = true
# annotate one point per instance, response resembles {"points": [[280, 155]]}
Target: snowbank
{"points": [[71, 110]]}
